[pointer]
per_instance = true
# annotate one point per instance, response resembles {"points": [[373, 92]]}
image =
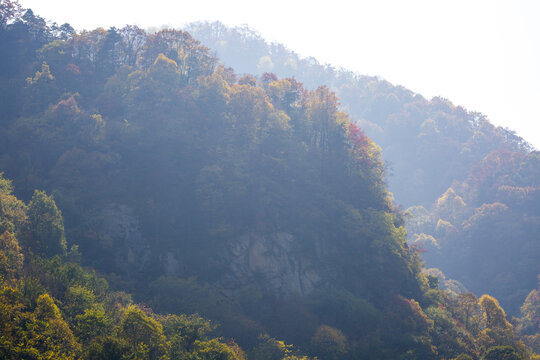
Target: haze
{"points": [[483, 55]]}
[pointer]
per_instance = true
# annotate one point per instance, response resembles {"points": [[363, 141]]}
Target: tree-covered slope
{"points": [[52, 308], [212, 159], [238, 194], [431, 146], [254, 202], [427, 143], [484, 230]]}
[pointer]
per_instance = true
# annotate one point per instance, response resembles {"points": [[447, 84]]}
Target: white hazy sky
{"points": [[481, 54]]}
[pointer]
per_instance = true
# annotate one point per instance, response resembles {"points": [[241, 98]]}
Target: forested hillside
{"points": [[431, 146], [484, 230], [52, 308], [254, 202], [415, 134]]}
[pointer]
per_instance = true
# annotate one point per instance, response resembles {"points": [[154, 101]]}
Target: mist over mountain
{"points": [[434, 149], [247, 215], [414, 133]]}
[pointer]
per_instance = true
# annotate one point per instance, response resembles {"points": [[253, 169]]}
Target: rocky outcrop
{"points": [[121, 235], [272, 260]]}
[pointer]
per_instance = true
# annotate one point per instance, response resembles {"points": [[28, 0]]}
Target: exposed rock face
{"points": [[274, 261], [270, 260], [122, 236], [171, 265]]}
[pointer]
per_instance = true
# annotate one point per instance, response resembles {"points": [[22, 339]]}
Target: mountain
{"points": [[432, 147], [253, 201], [427, 143]]}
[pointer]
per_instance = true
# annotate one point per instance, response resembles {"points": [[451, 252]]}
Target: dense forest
{"points": [[155, 204], [431, 147]]}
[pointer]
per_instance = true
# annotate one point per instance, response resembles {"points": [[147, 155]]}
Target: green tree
{"points": [[93, 324], [501, 353], [530, 320], [78, 299], [213, 350], [192, 57], [108, 348], [13, 212], [11, 258], [329, 343], [498, 331], [143, 333], [53, 336], [184, 330], [494, 315], [46, 309], [450, 207], [41, 90], [46, 225], [272, 349]]}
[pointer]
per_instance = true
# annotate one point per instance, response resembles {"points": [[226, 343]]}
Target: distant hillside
{"points": [[484, 230]]}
